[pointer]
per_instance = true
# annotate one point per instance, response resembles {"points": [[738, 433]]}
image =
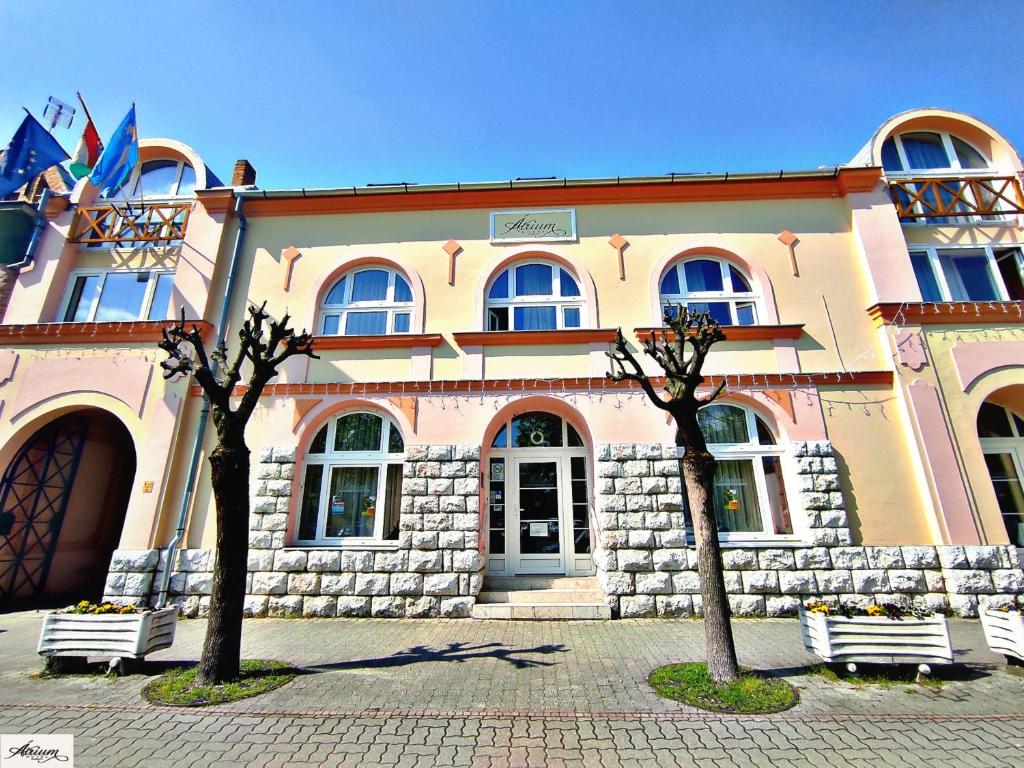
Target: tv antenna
{"points": [[58, 113]]}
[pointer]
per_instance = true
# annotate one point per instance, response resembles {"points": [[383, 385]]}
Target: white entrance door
{"points": [[536, 516]]}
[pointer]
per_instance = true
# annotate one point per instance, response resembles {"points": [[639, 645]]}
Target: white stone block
{"points": [[260, 539], [964, 582], [303, 583], [323, 560], [835, 581], [272, 583], [870, 581], [374, 584], [284, 455], [920, 557], [739, 559], [640, 539], [637, 606], [952, 557], [289, 560], [467, 561], [797, 583], [672, 606], [615, 582], [747, 605], [387, 607], [456, 607], [195, 583], [422, 607], [406, 584], [353, 606], [983, 557], [760, 582], [907, 580], [441, 584], [670, 559], [255, 605], [776, 560], [321, 607], [191, 560], [338, 583], [777, 606], [674, 537], [883, 557], [686, 582], [634, 560], [354, 560], [284, 606], [653, 583], [389, 562], [1008, 580]]}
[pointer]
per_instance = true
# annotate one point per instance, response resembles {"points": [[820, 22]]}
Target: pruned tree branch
{"points": [[260, 343]]}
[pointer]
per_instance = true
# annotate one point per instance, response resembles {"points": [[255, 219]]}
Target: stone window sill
{"points": [[360, 545], [772, 542]]}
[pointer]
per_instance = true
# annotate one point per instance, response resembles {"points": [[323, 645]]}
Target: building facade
{"points": [[458, 428]]}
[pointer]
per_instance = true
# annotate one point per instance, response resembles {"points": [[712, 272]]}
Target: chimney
{"points": [[243, 175]]}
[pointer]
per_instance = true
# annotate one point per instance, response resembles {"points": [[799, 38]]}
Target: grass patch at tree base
{"points": [[751, 694], [177, 687]]}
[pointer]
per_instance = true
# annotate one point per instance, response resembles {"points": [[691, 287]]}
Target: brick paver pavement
{"points": [[468, 693]]}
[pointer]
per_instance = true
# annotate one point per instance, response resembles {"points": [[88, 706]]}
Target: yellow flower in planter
{"points": [[127, 609], [876, 610], [818, 607]]}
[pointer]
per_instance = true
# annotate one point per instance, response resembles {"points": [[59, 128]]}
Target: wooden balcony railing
{"points": [[956, 197], [131, 225]]}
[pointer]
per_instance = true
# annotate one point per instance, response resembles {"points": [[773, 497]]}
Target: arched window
{"points": [[923, 151], [749, 489], [163, 177], [537, 429], [709, 285], [534, 296], [352, 487], [1001, 433], [373, 301]]}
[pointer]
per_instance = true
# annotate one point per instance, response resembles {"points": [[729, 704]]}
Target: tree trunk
{"points": [[222, 648], [697, 468]]}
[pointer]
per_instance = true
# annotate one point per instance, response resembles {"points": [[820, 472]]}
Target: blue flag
{"points": [[119, 158], [31, 151]]}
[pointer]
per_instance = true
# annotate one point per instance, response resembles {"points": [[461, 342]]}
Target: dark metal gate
{"points": [[34, 496]]}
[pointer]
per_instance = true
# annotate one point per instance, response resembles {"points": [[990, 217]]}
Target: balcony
{"points": [[938, 199], [131, 225]]}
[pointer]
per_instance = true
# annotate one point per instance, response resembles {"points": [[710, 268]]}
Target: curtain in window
{"points": [[310, 501], [719, 310], [358, 432], [499, 288], [402, 290], [890, 157], [925, 277], [337, 294], [370, 285], [736, 497], [535, 318], [925, 151], [533, 280], [723, 424], [976, 278], [567, 284], [366, 323], [670, 282], [702, 275], [392, 500]]}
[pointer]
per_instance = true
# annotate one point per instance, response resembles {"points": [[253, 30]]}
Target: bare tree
{"points": [[264, 346], [698, 331]]}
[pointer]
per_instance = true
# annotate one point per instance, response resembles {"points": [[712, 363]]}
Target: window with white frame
{"points": [[1001, 433], [982, 273], [534, 296], [160, 178], [917, 152], [367, 302], [107, 295], [749, 489], [709, 285], [352, 481]]}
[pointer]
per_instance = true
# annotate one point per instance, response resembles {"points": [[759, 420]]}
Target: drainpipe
{"points": [[37, 234], [204, 416]]}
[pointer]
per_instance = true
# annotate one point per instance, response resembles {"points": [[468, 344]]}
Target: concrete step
{"points": [[516, 583], [573, 611], [541, 596]]}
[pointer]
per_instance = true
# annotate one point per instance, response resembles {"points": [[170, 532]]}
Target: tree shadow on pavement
{"points": [[453, 652]]}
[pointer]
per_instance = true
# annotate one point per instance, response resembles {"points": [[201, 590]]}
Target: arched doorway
{"points": [[63, 499], [538, 498], [1001, 433]]}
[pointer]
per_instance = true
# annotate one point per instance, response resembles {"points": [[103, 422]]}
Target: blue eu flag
{"points": [[31, 151], [119, 158]]}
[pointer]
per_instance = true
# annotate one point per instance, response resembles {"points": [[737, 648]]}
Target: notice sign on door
{"points": [[533, 226], [538, 529]]}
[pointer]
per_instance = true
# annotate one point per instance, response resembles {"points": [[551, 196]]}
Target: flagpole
{"points": [[142, 196], [84, 108]]}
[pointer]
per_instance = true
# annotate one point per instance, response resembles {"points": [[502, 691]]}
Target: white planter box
{"points": [[1004, 632], [877, 639], [112, 635]]}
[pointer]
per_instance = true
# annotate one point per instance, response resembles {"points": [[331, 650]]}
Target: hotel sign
{"points": [[544, 226]]}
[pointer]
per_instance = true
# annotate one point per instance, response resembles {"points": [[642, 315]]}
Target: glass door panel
{"points": [[539, 530], [1006, 481]]}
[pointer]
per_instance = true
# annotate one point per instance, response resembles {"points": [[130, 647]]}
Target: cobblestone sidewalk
{"points": [[463, 693]]}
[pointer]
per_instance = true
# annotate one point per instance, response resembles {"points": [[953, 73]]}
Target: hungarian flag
{"points": [[88, 151]]}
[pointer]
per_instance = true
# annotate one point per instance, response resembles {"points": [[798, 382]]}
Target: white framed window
{"points": [[976, 273], [367, 302], [352, 481], [1001, 434], [121, 295], [922, 152], [159, 178], [534, 296], [711, 285], [749, 489]]}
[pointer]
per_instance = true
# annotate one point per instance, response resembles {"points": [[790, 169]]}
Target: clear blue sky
{"points": [[332, 94]]}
